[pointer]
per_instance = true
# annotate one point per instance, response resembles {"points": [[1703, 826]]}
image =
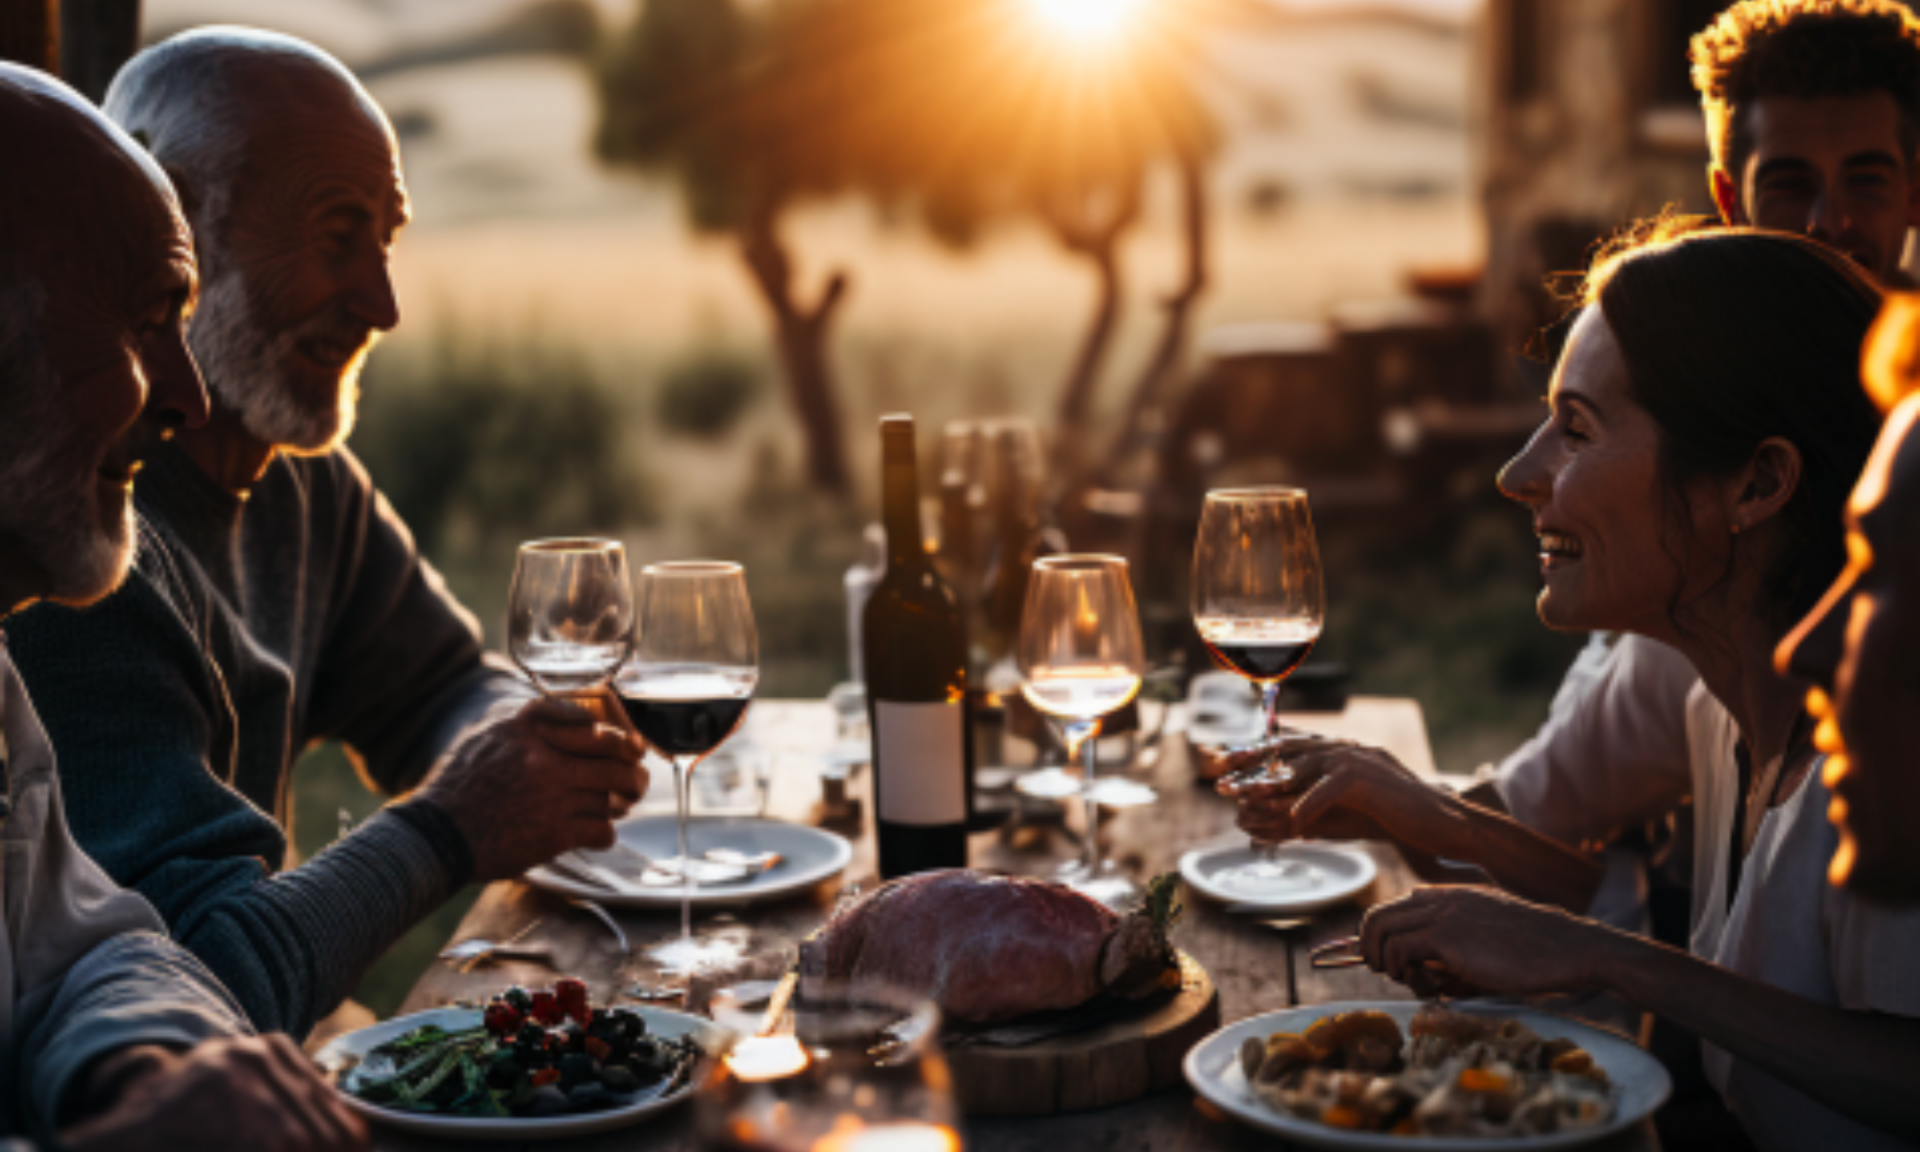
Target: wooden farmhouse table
{"points": [[1248, 961]]}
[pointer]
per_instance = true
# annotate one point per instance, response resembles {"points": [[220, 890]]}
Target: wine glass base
{"points": [[1049, 784], [1118, 792], [685, 955], [1106, 884], [1269, 879]]}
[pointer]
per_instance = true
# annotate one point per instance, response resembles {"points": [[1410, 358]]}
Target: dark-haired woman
{"points": [[1706, 426]]}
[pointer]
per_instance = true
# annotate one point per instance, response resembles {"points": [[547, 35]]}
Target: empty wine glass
{"points": [[696, 658], [1259, 603], [570, 613], [1081, 655]]}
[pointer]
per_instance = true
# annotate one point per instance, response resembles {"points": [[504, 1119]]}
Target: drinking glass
{"points": [[852, 1067], [695, 661], [1081, 656], [1259, 603], [569, 613]]}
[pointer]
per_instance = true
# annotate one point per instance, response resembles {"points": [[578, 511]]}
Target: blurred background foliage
{"points": [[648, 296]]}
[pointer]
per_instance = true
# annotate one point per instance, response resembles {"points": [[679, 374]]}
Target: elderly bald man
{"points": [[278, 600], [110, 1034]]}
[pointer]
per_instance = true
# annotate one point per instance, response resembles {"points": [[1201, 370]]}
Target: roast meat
{"points": [[991, 948]]}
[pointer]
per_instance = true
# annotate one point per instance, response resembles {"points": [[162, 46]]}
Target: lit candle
{"points": [[849, 1135], [761, 1058]]}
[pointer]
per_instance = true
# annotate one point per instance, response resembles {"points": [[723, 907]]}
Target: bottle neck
{"points": [[900, 485]]}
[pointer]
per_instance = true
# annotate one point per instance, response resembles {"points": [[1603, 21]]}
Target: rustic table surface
{"points": [[1249, 961]]}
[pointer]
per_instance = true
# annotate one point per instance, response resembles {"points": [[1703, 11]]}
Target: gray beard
{"points": [[245, 368], [47, 490]]}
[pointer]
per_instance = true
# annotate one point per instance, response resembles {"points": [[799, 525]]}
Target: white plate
{"points": [[808, 856], [660, 1022], [1344, 873], [1213, 1068]]}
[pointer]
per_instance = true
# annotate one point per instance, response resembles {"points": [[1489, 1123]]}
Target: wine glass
{"points": [[1259, 603], [853, 1067], [569, 613], [1081, 656], [695, 661]]}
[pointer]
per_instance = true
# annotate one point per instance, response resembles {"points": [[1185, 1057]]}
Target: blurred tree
{"points": [[955, 113]]}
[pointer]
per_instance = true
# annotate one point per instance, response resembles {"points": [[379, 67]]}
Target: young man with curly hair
{"points": [[1813, 115]]}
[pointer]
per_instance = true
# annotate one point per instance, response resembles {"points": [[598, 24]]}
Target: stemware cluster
{"points": [[684, 666]]}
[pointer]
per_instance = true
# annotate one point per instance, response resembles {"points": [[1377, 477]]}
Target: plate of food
{"points": [[531, 1065], [1310, 875], [745, 860], [1400, 1075]]}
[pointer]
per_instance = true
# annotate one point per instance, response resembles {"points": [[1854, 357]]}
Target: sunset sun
{"points": [[1085, 19]]}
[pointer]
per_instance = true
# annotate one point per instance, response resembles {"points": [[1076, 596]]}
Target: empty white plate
{"points": [[807, 856], [1321, 875]]}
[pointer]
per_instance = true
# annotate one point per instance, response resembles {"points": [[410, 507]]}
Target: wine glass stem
{"points": [[1091, 750], [1267, 850], [683, 794], [1081, 743]]}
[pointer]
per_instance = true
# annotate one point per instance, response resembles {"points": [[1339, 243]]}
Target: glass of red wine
{"points": [[1259, 603], [1081, 655], [696, 658]]}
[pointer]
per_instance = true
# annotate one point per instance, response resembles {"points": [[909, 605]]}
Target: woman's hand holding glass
{"points": [[1339, 790]]}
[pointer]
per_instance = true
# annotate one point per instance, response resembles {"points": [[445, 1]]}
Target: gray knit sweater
{"points": [[251, 628]]}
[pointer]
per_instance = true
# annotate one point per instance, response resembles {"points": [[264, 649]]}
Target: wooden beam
{"points": [[97, 37], [30, 33]]}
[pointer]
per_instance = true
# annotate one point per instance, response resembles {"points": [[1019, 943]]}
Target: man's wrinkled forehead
{"points": [[303, 116]]}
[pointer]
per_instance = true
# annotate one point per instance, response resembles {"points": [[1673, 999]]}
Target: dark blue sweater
{"points": [[251, 627]]}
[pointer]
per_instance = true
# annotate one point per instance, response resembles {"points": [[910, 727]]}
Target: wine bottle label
{"points": [[918, 758]]}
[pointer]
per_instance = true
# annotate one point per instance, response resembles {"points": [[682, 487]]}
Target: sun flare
{"points": [[1085, 19]]}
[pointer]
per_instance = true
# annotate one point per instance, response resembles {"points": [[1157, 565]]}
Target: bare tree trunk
{"points": [[802, 338], [1091, 225], [30, 33], [1179, 307], [96, 38], [1078, 393]]}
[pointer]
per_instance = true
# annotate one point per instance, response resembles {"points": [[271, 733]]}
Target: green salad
{"points": [[544, 1053]]}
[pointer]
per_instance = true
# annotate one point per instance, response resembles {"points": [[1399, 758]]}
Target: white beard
{"points": [[48, 494], [245, 368]]}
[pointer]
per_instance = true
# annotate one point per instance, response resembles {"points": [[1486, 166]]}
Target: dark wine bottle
{"points": [[914, 646]]}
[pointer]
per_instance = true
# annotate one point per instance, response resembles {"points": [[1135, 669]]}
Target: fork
{"points": [[605, 917]]}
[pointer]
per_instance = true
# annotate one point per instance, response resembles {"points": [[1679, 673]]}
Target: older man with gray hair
{"points": [[111, 1036], [277, 599]]}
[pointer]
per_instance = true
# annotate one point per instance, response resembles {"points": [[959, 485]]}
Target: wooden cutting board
{"points": [[1103, 1065]]}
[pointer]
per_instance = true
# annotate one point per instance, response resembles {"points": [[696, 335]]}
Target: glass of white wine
{"points": [[1259, 602], [1082, 658], [570, 613]]}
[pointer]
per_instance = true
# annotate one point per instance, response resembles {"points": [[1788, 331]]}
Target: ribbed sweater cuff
{"points": [[355, 899], [432, 821]]}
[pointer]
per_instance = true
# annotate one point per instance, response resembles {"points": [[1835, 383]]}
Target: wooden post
{"points": [[96, 38], [30, 33]]}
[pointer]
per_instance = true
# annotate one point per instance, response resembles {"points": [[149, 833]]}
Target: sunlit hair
{"points": [[1890, 366], [186, 100], [1732, 336], [1804, 49]]}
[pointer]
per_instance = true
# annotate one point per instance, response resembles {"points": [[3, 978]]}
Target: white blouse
{"points": [[1788, 927]]}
